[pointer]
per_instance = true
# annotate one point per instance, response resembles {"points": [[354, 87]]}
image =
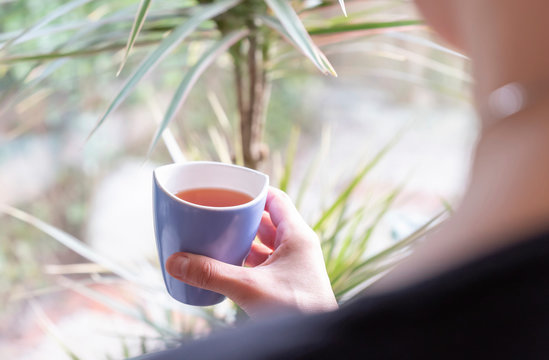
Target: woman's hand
{"points": [[286, 270]]}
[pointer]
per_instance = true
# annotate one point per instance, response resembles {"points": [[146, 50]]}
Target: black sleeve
{"points": [[493, 308]]}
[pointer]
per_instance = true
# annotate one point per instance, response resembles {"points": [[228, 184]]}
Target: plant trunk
{"points": [[252, 96]]}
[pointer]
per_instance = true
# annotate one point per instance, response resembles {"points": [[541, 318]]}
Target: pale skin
{"points": [[507, 195]]}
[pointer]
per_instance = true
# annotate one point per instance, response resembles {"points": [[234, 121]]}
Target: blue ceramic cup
{"points": [[222, 233]]}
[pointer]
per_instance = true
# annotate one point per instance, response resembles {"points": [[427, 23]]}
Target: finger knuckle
{"points": [[206, 274], [285, 196], [249, 288], [277, 193], [298, 233], [246, 280], [284, 229]]}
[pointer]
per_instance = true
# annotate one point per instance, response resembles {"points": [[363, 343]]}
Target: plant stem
{"points": [[251, 92], [250, 80]]}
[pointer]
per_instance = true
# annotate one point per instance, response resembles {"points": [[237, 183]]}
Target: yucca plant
{"points": [[252, 32]]}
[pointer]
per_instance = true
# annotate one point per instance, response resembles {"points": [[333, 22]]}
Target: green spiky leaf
{"points": [[295, 30], [60, 11], [342, 4], [169, 43], [290, 156], [192, 76], [339, 28], [344, 195], [71, 242], [136, 28]]}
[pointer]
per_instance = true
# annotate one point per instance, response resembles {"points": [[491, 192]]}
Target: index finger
{"points": [[280, 207]]}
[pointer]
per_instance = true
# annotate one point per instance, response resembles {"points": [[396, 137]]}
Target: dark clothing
{"points": [[495, 307]]}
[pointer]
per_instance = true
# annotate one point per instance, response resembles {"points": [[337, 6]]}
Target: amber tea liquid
{"points": [[215, 197]]}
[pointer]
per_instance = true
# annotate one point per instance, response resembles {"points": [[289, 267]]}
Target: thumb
{"points": [[207, 273]]}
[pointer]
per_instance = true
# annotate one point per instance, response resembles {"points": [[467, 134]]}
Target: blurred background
{"points": [[371, 156]]}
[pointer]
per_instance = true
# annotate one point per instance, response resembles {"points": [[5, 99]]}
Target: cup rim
{"points": [[214, 208]]}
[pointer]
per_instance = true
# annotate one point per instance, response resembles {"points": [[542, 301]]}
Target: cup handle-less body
{"points": [[225, 234]]}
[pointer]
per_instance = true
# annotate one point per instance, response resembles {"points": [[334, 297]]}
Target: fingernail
{"points": [[179, 266]]}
